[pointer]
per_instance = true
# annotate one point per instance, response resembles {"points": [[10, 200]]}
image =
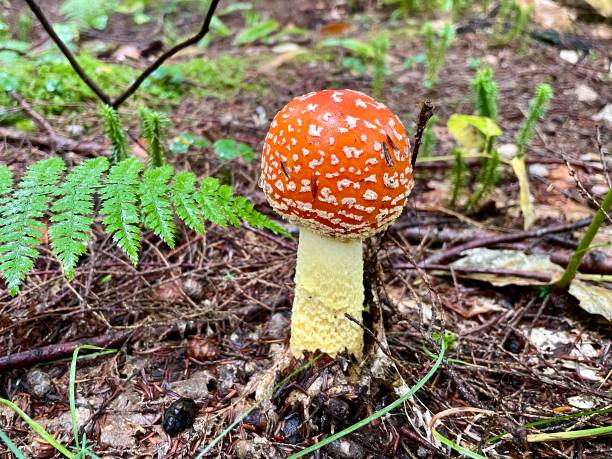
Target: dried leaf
{"points": [[507, 259], [593, 298], [525, 198]]}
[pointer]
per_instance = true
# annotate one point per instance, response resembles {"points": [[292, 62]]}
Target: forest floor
{"points": [[209, 320]]}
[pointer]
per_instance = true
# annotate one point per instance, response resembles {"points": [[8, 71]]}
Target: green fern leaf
{"points": [[183, 191], [119, 205], [114, 131], [20, 228], [6, 179], [156, 207], [538, 106], [215, 201], [485, 93], [72, 212], [246, 211]]}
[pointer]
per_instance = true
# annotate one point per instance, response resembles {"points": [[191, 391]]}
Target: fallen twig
{"points": [[426, 112], [539, 276], [37, 117], [590, 264], [52, 142], [511, 237], [143, 76]]}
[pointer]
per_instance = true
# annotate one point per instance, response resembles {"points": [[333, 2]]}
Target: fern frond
{"points": [[119, 196], [114, 131], [20, 228], [538, 106], [72, 212], [485, 93], [246, 211], [156, 206], [155, 128], [182, 193], [6, 179], [215, 201], [220, 206]]}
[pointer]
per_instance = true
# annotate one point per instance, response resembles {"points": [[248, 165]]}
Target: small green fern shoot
{"points": [[154, 129], [436, 47], [114, 131], [489, 174], [459, 175], [119, 196], [484, 88], [72, 212], [156, 205], [20, 225], [538, 106], [429, 137]]}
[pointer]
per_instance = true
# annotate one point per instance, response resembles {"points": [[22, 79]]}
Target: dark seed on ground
{"points": [[179, 416]]}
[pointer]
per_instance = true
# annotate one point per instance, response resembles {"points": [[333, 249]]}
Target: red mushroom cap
{"points": [[338, 162]]}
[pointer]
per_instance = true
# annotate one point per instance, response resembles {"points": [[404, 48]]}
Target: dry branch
{"points": [[142, 77]]}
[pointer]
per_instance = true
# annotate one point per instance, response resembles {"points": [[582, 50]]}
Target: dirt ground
{"points": [[209, 320]]}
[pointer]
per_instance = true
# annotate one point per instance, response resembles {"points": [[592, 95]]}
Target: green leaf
{"points": [[156, 206], [357, 47], [228, 149], [184, 142], [470, 131], [119, 206], [11, 446], [72, 212], [256, 32], [20, 228], [182, 193], [212, 203]]}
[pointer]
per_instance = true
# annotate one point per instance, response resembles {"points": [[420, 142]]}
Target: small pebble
{"points": [[278, 326], [345, 449], [75, 131], [193, 288], [290, 428], [39, 383], [339, 409], [569, 55]]}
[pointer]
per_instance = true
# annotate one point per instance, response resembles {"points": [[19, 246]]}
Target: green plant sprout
{"points": [[537, 110], [585, 242], [437, 44], [365, 54], [484, 89], [154, 130], [475, 133], [517, 16], [538, 106], [115, 132]]}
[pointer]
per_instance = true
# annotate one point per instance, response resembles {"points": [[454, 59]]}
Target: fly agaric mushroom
{"points": [[337, 164]]}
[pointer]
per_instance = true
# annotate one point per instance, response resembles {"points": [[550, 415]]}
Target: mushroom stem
{"points": [[328, 285]]}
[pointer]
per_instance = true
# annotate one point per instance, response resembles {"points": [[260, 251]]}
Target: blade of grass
{"points": [[379, 413], [36, 427], [246, 413], [454, 446], [72, 387], [11, 446], [541, 422], [571, 435]]}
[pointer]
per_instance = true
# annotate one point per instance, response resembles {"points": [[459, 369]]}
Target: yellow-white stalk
{"points": [[328, 284]]}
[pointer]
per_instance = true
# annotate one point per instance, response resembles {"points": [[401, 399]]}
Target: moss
{"points": [[51, 82]]}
